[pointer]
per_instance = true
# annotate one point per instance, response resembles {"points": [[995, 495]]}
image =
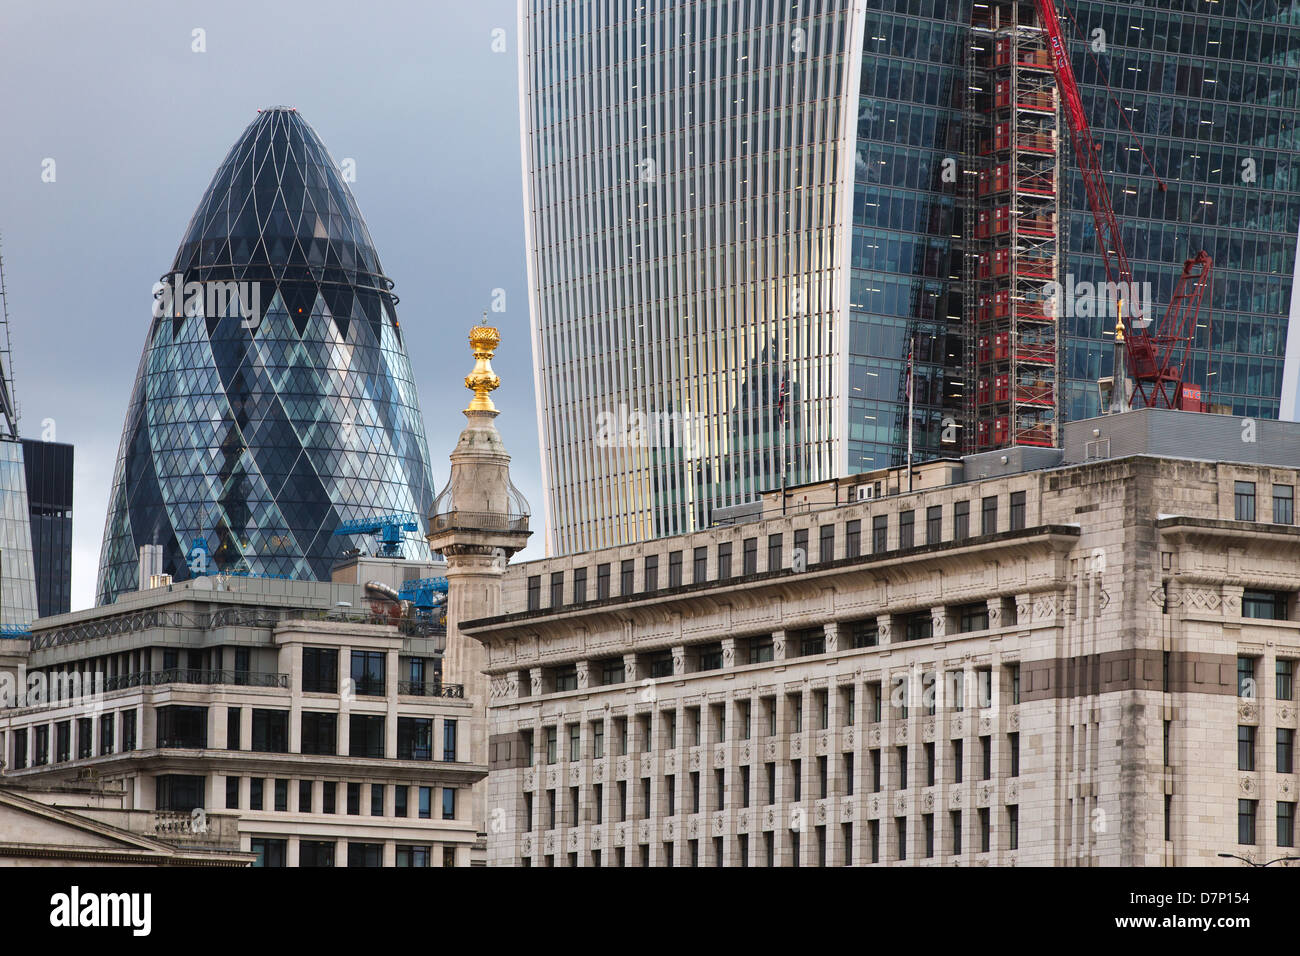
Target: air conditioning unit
{"points": [[866, 492], [160, 580]]}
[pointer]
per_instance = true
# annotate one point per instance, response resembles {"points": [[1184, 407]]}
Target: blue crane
{"points": [[389, 530]]}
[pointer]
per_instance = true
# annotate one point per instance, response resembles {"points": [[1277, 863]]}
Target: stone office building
{"points": [[290, 705], [1072, 657]]}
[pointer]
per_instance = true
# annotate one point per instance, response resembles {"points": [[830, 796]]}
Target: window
{"points": [[181, 727], [745, 709], [365, 854], [796, 780], [724, 561], [1285, 679], [270, 852], [579, 585], [927, 823], [85, 737], [961, 520], [354, 799], [414, 738], [852, 538], [575, 742], [984, 829], [873, 838], [1013, 671], [760, 649], [367, 736], [1013, 746], [989, 515], [900, 827], [610, 670], [319, 733], [63, 741], [986, 757], [1245, 677], [880, 534], [954, 824], [41, 745], [1283, 504], [1285, 750], [700, 565], [411, 856], [674, 569], [1243, 493], [232, 793], [534, 592], [329, 796], [270, 731], [400, 796], [315, 853], [1246, 812], [1017, 511], [557, 588], [602, 582], [426, 803], [826, 543], [919, 626], [552, 744], [907, 529], [934, 524], [376, 799], [106, 734], [281, 795], [958, 755], [1285, 823], [875, 771], [863, 633], [233, 721], [651, 574], [749, 556], [929, 764], [1013, 828], [449, 740], [661, 664], [774, 562], [128, 729], [812, 641], [565, 678], [902, 767], [255, 785], [179, 792], [1245, 747], [771, 783], [598, 802], [20, 749], [710, 657], [449, 803], [626, 576], [973, 617], [849, 704], [1264, 605], [368, 673]]}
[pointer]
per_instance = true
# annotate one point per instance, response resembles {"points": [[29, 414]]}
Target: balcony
{"points": [[190, 675], [436, 689]]}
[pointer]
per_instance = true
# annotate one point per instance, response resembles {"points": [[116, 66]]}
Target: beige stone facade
{"points": [[764, 693]]}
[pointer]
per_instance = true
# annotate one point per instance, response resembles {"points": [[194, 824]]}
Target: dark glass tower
{"points": [[48, 468], [253, 438]]}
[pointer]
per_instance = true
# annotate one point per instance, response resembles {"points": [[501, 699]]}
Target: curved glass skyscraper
{"points": [[274, 399]]}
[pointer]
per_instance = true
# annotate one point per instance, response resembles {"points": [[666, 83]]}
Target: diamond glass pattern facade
{"points": [[18, 605], [687, 195], [254, 437]]}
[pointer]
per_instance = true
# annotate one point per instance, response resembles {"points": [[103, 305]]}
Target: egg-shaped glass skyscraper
{"points": [[274, 399]]}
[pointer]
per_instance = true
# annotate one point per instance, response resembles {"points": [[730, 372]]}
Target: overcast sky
{"points": [[137, 122]]}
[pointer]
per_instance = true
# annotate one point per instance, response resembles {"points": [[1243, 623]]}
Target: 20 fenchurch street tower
{"points": [[687, 195], [746, 220], [265, 416]]}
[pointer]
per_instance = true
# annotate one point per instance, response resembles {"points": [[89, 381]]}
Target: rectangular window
{"points": [[1013, 672], [1246, 677], [961, 520], [927, 824], [985, 834], [319, 733], [1013, 746], [449, 740], [929, 764], [281, 795], [365, 854], [918, 626], [771, 783], [986, 757], [774, 558], [1264, 605], [579, 585], [366, 735], [181, 727], [1283, 504], [1285, 750], [271, 853], [901, 753], [270, 731], [320, 670], [864, 633], [414, 738], [419, 856], [907, 529], [873, 838], [989, 515], [232, 793], [602, 582], [329, 796], [1246, 812], [426, 803], [1285, 823], [85, 737], [368, 673], [700, 565], [826, 543], [674, 569], [880, 534], [1017, 511], [232, 727], [552, 744], [354, 799], [1245, 747], [557, 588], [63, 740], [626, 576], [875, 771], [750, 557], [449, 803], [1285, 679], [255, 786], [651, 582], [1013, 828], [534, 592], [900, 829], [575, 742], [106, 734], [958, 755], [853, 538], [316, 853], [973, 617], [954, 825], [401, 794], [1243, 493], [934, 524], [760, 650], [724, 561]]}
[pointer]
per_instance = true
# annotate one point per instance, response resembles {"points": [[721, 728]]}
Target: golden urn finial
{"points": [[483, 339]]}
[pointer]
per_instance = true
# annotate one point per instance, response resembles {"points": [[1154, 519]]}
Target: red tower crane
{"points": [[1157, 359]]}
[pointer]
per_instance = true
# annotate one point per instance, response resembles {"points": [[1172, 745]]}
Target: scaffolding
{"points": [[1013, 232]]}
